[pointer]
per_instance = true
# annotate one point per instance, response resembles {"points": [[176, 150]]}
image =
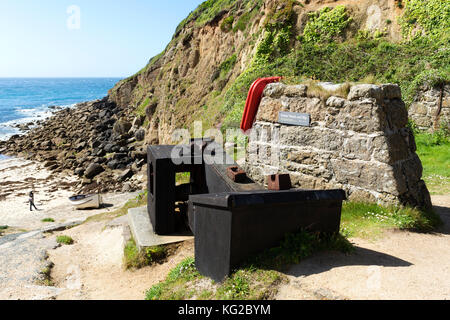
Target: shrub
{"points": [[135, 258], [64, 240], [227, 24], [326, 24], [432, 16], [228, 65]]}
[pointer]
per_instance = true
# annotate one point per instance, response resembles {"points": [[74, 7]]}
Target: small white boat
{"points": [[86, 201]]}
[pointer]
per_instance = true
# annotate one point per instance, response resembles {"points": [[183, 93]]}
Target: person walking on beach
{"points": [[31, 199]]}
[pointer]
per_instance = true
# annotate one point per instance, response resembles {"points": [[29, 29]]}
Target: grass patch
{"points": [[45, 276], [258, 278], [369, 220], [316, 90], [48, 220], [326, 24], [182, 177], [136, 259], [227, 24], [64, 240], [140, 111], [3, 229], [209, 9], [434, 152]]}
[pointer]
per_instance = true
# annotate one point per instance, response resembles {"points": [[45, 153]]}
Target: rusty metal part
{"points": [[236, 174], [277, 182]]}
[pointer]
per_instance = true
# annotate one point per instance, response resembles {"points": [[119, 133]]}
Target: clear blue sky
{"points": [[115, 38]]}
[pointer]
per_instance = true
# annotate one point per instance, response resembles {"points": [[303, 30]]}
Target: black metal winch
{"points": [[229, 214]]}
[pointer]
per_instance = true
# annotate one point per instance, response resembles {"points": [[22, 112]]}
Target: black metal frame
{"points": [[230, 219]]}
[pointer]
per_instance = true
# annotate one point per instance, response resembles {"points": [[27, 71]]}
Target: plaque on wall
{"points": [[294, 119]]}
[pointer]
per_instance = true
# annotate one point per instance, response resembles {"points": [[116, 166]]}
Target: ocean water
{"points": [[26, 100]]}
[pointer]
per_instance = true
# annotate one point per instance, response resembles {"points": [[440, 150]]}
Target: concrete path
{"points": [[23, 256], [22, 261]]}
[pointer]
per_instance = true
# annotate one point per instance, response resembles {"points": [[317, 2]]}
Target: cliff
{"points": [[206, 70]]}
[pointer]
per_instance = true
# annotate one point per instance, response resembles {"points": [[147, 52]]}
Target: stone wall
{"points": [[431, 108], [360, 143]]}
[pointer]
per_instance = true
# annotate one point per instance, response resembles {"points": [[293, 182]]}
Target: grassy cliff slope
{"points": [[224, 45]]}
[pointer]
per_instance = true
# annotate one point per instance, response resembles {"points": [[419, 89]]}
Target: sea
{"points": [[25, 100]]}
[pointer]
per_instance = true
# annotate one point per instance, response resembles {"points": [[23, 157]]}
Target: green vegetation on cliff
{"points": [[280, 38], [318, 53], [210, 9]]}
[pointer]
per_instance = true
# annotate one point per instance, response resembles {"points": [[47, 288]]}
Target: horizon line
{"points": [[66, 77]]}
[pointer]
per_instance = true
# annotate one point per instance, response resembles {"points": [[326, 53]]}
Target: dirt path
{"points": [[92, 267], [401, 265]]}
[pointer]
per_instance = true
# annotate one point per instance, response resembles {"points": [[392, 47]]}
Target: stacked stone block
{"points": [[360, 143], [431, 108]]}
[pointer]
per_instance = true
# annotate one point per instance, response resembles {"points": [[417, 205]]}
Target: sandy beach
{"points": [[18, 177]]}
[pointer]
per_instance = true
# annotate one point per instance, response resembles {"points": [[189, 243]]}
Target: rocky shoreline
{"points": [[97, 141]]}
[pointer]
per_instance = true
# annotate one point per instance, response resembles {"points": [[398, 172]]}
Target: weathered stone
{"points": [[335, 102], [92, 170], [79, 171], [269, 109], [361, 195], [307, 157], [397, 113], [140, 134], [367, 175], [356, 147], [391, 91], [423, 121], [408, 135], [361, 91], [310, 137], [122, 127], [413, 169], [295, 90], [312, 106], [126, 174], [274, 90], [418, 108], [427, 104], [390, 149], [362, 116]]}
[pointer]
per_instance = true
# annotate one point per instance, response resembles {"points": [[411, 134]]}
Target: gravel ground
{"points": [[401, 265], [23, 258], [26, 243]]}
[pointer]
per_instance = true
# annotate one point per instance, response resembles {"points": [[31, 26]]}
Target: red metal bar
{"points": [[253, 100]]}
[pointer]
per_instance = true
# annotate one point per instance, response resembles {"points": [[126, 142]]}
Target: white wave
{"points": [[8, 128]]}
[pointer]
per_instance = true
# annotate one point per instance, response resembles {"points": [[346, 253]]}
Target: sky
{"points": [[85, 38]]}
